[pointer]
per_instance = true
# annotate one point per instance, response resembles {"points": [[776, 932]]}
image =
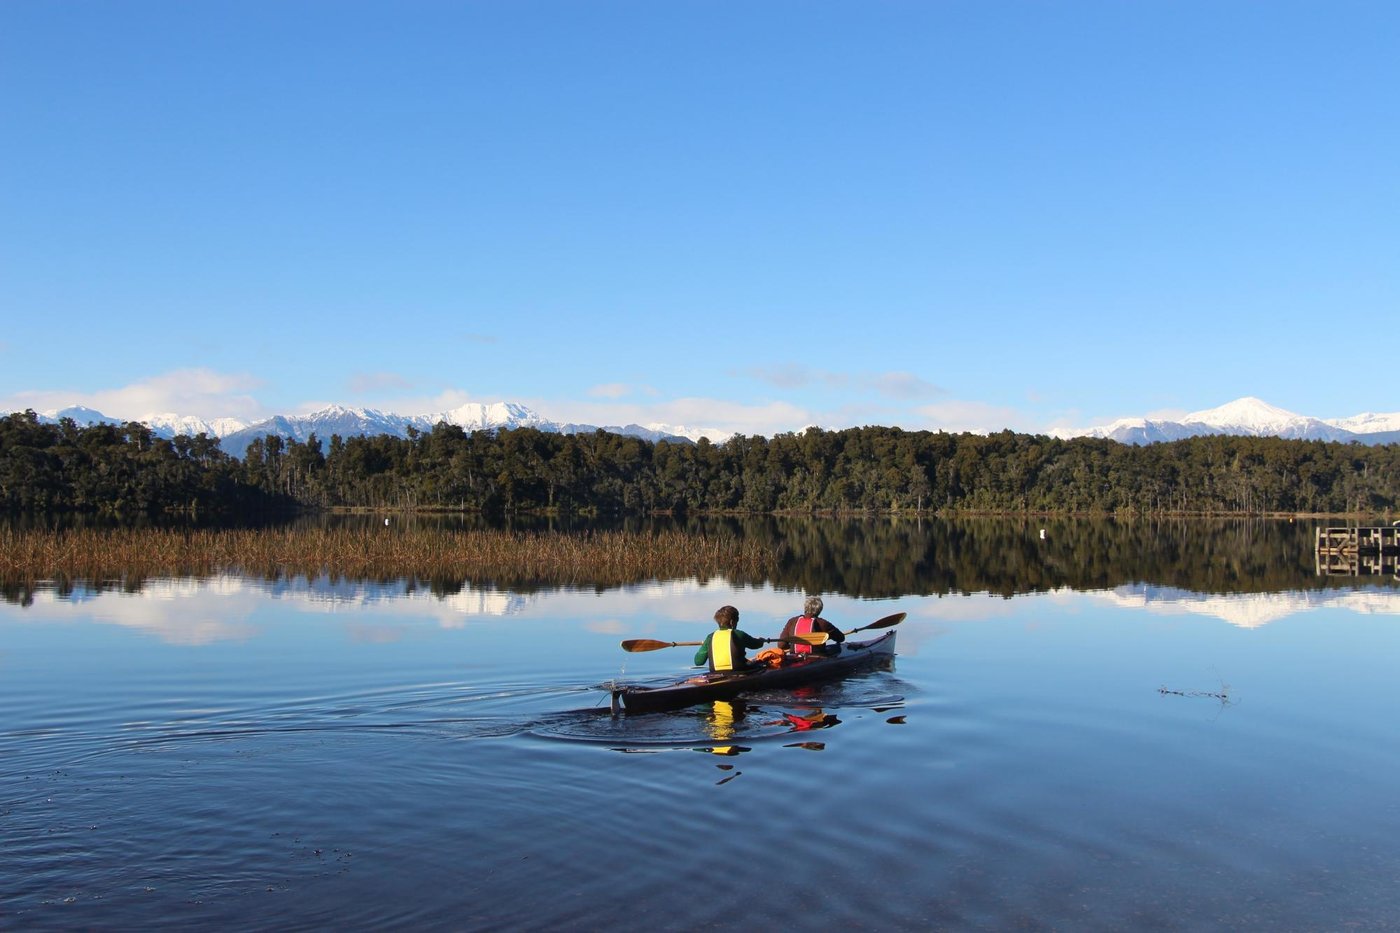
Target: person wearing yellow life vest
{"points": [[723, 648], [810, 622]]}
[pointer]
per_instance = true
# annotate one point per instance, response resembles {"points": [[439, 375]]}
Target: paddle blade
{"points": [[886, 622]]}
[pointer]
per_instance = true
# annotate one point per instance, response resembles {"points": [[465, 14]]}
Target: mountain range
{"points": [[235, 436], [1251, 417], [1246, 416]]}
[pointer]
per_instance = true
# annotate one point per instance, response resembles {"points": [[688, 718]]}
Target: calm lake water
{"points": [[1114, 750]]}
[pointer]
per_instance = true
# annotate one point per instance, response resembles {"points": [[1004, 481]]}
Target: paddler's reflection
{"points": [[723, 723], [808, 719]]}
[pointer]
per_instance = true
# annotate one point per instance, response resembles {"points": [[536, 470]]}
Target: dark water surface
{"points": [[306, 754]]}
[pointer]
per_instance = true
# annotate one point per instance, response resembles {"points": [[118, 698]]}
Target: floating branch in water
{"points": [[1223, 695]]}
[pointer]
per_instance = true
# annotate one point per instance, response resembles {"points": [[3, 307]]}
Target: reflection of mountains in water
{"points": [[225, 608], [457, 596], [1252, 610], [202, 611]]}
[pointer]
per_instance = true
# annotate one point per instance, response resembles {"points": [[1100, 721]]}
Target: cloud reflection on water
{"points": [[222, 609]]}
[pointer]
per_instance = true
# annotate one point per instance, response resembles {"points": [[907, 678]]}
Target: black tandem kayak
{"points": [[702, 688]]}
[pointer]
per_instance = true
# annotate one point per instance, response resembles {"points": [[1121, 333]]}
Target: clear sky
{"points": [[748, 216]]}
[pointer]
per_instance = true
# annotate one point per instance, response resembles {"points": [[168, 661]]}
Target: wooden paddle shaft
{"points": [[652, 644]]}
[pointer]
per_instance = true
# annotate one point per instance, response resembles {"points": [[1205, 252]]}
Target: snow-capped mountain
{"points": [[477, 416], [1369, 423], [1246, 416], [348, 422], [1251, 417], [80, 414], [163, 425], [652, 432], [235, 436], [168, 425]]}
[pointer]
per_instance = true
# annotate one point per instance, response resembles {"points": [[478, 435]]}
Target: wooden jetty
{"points": [[1359, 552]]}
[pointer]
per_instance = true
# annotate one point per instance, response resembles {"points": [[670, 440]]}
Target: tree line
{"points": [[125, 470]]}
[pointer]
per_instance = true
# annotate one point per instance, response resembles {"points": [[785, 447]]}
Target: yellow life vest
{"points": [[722, 650]]}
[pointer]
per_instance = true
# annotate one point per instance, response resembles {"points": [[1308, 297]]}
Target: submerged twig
{"points": [[1223, 695]]}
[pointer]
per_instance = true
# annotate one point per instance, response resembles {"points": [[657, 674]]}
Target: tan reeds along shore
{"points": [[505, 557]]}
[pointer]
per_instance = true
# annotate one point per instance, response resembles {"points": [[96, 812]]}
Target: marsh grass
{"points": [[126, 557]]}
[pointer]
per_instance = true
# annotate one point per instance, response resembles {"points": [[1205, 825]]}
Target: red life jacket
{"points": [[803, 626]]}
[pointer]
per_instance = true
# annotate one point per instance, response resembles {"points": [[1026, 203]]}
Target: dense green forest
{"points": [[127, 470]]}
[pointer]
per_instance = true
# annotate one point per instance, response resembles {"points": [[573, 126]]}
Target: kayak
{"points": [[724, 685]]}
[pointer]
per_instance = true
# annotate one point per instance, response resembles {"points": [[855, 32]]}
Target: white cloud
{"points": [[975, 417], [201, 392], [716, 417]]}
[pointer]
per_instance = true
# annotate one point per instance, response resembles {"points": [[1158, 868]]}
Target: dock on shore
{"points": [[1358, 551]]}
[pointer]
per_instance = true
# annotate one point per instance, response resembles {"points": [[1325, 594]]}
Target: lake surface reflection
{"points": [[1144, 751]]}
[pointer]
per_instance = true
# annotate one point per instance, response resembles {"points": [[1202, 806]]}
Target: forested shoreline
{"points": [[127, 470]]}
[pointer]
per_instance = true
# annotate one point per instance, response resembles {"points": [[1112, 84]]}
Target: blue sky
{"points": [[744, 216]]}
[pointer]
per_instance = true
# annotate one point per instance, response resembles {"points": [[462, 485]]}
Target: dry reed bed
{"points": [[507, 556]]}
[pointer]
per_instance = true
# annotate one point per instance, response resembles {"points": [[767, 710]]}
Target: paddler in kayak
{"points": [[810, 622], [723, 649]]}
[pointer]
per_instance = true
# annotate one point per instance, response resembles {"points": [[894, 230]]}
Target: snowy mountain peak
{"points": [[235, 435], [1368, 423], [80, 415], [169, 424], [342, 411], [477, 415], [1253, 417], [1246, 414]]}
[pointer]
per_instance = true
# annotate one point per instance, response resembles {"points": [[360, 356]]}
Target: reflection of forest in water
{"points": [[924, 557], [891, 558], [877, 559]]}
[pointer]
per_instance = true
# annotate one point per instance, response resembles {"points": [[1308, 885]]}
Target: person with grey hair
{"points": [[809, 622]]}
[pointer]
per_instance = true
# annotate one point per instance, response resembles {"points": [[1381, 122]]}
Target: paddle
{"points": [[651, 644], [886, 622]]}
